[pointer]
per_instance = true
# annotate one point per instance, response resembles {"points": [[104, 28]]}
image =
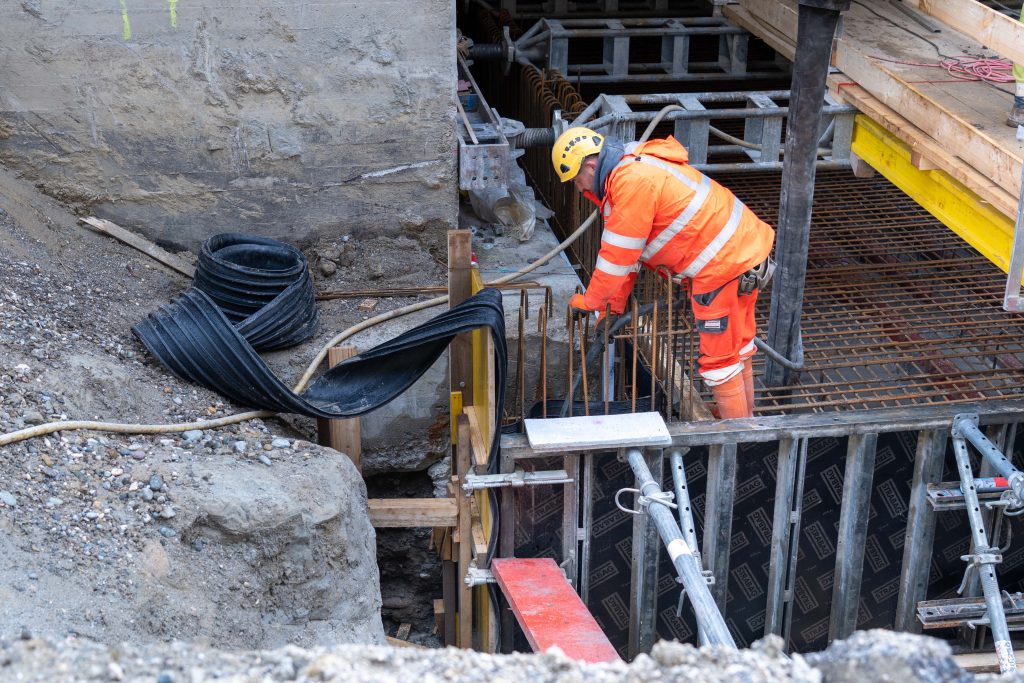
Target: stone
{"points": [[239, 446], [328, 268], [33, 417], [192, 435], [265, 460], [156, 482], [281, 443], [167, 531], [8, 499]]}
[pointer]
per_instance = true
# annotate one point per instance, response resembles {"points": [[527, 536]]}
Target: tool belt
{"points": [[757, 278]]}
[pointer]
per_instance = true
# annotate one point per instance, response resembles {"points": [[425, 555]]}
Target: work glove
{"points": [[579, 308]]}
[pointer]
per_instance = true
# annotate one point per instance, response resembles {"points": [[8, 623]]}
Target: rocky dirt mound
{"points": [[872, 657], [244, 536]]}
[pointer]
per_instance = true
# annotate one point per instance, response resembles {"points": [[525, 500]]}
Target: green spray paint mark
{"points": [[126, 27], [173, 6]]}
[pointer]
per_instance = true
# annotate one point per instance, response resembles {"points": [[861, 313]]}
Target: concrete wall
{"points": [[182, 118]]}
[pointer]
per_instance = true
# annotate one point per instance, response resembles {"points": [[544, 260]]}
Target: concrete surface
{"points": [[182, 118]]}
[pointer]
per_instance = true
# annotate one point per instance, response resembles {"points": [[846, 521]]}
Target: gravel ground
{"points": [[98, 531], [868, 657]]}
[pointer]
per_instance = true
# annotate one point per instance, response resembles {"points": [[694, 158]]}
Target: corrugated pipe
{"points": [[534, 137]]}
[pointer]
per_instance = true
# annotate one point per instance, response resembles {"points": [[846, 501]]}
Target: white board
{"points": [[594, 432]]}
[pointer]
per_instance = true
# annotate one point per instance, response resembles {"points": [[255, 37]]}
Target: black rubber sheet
{"points": [[195, 339]]}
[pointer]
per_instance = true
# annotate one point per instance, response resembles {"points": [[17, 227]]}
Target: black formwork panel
{"points": [[538, 534]]}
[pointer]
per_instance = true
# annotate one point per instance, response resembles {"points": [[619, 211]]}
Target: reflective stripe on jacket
{"points": [[660, 211]]}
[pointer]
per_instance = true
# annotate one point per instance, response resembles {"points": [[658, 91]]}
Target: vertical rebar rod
{"points": [[984, 558], [681, 554], [817, 21]]}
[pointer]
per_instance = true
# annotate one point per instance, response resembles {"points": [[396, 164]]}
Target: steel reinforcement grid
{"points": [[898, 310]]}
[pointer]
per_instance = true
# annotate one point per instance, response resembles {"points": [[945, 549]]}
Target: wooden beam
{"points": [[142, 244], [922, 143], [344, 436], [387, 513], [460, 284], [995, 30], [465, 531], [476, 442], [958, 134]]}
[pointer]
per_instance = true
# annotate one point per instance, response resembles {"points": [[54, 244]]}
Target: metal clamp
{"points": [[478, 577], [477, 482], [975, 561], [663, 497]]}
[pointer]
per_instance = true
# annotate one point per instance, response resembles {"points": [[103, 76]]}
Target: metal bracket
{"points": [[478, 482], [478, 577], [664, 497]]}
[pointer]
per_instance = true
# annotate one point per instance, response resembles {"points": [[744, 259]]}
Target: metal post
{"points": [[984, 557], [967, 426], [920, 534], [718, 504], [782, 525], [570, 519], [794, 542], [588, 524], [681, 554], [817, 21], [643, 596], [853, 531], [507, 546], [685, 512], [1011, 299]]}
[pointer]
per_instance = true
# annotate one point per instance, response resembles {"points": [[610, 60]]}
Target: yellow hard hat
{"points": [[571, 148]]}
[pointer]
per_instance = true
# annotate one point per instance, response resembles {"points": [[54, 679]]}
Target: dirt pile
{"points": [[245, 536], [884, 657]]}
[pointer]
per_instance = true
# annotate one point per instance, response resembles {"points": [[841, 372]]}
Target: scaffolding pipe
{"points": [[984, 559], [709, 618], [817, 24], [966, 426], [685, 516]]}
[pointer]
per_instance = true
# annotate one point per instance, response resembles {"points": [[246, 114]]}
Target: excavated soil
{"points": [[244, 536]]}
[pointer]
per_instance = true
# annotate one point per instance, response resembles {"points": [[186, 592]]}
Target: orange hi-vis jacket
{"points": [[660, 211]]}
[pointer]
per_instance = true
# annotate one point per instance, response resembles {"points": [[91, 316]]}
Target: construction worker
{"points": [[659, 211], [1016, 117]]}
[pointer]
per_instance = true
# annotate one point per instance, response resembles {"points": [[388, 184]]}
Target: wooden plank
{"points": [[923, 144], [477, 445], [344, 436], [561, 434], [388, 513], [768, 34], [403, 632], [465, 521], [961, 136], [460, 282], [549, 611], [142, 244], [401, 642], [959, 209], [983, 662], [996, 31]]}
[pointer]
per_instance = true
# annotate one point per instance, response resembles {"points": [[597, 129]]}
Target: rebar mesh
{"points": [[898, 310]]}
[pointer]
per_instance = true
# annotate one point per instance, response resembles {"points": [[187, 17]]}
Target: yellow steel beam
{"points": [[962, 211]]}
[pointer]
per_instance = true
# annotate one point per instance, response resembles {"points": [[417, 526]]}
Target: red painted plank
{"points": [[549, 611]]}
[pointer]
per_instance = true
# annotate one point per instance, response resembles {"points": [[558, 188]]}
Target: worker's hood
{"points": [[666, 149]]}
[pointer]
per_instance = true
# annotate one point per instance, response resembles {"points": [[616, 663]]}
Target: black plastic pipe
{"points": [[817, 24]]}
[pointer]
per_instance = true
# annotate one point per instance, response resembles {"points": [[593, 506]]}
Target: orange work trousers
{"points": [[725, 320]]}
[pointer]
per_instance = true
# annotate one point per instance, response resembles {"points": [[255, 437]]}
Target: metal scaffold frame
{"points": [[932, 424]]}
